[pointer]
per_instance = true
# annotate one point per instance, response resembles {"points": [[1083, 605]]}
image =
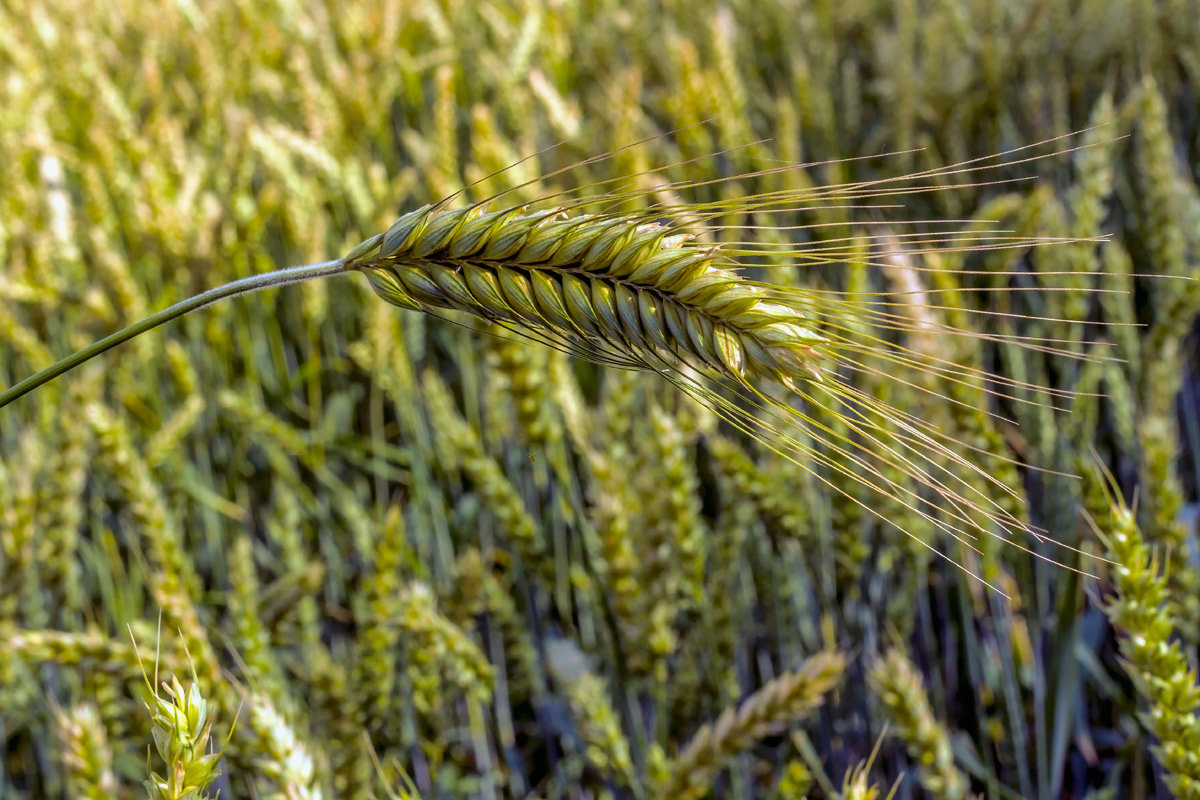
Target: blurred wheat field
{"points": [[369, 553]]}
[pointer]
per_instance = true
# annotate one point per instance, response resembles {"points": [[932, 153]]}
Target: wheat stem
{"points": [[282, 277]]}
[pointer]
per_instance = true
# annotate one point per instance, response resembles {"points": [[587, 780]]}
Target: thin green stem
{"points": [[282, 277]]}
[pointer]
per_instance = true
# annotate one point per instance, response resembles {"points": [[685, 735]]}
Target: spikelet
{"points": [[857, 784], [90, 648], [677, 522], [250, 636], [332, 709], [1163, 524], [285, 533], [181, 729], [174, 581], [282, 756], [441, 654], [462, 447], [524, 369], [496, 594], [617, 290], [794, 781], [648, 290], [605, 746], [374, 672], [19, 594], [61, 507]]}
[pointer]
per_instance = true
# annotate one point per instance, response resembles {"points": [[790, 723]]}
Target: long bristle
{"points": [[663, 288]]}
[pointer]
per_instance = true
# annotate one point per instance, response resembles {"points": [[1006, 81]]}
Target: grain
{"points": [[648, 289], [614, 289], [783, 701]]}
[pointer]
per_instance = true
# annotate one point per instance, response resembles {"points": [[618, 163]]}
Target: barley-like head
{"points": [[616, 289]]}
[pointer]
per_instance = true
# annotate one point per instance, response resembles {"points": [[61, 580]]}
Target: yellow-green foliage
{"points": [[399, 555]]}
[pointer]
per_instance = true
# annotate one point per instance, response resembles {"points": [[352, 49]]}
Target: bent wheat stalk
{"points": [[643, 290]]}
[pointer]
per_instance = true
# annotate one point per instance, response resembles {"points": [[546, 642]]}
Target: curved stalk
{"points": [[282, 277]]}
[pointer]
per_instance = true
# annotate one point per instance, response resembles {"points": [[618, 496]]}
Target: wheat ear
{"points": [[640, 290], [611, 288], [623, 291], [783, 701], [619, 289]]}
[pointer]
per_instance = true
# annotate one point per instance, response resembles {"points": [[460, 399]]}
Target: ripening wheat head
{"points": [[648, 289], [611, 288]]}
